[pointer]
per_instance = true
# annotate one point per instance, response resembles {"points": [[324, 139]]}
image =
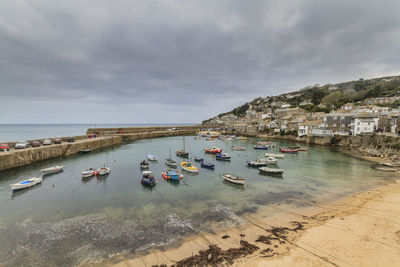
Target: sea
{"points": [[17, 132], [68, 220]]}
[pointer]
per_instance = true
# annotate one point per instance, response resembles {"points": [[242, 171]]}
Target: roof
{"points": [[317, 122], [366, 115]]}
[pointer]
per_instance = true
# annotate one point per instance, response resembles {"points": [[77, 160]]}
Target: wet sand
{"points": [[360, 230]]}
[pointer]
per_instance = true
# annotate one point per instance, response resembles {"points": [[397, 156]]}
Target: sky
{"points": [[175, 61]]}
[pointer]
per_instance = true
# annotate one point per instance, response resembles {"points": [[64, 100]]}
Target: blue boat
{"points": [[172, 175], [207, 165], [148, 179], [261, 147], [223, 156]]}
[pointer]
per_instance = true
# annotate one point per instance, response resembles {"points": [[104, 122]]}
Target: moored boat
{"points": [[144, 164], [89, 172], [148, 179], [238, 148], [223, 156], [151, 157], [213, 150], [198, 159], [241, 138], [26, 183], [270, 170], [85, 151], [230, 139], [275, 155], [189, 167], [207, 165], [269, 160], [233, 178], [103, 170], [171, 162], [265, 147], [289, 150], [182, 152], [173, 175], [256, 163], [52, 170]]}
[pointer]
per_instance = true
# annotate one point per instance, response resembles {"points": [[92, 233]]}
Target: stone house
{"points": [[306, 127]]}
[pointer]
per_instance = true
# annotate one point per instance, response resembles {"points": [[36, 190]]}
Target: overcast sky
{"points": [[181, 61]]}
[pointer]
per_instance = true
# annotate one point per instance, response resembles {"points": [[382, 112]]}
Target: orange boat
{"points": [[213, 150]]}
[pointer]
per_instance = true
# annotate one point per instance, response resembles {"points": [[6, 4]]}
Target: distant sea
{"points": [[16, 132]]}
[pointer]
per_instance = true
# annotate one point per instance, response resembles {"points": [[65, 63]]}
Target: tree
{"points": [[332, 99]]}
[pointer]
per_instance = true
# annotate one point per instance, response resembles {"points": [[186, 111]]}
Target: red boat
{"points": [[213, 150], [289, 150]]}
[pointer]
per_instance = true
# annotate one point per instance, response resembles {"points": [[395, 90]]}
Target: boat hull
{"points": [[233, 180], [26, 183], [52, 170]]}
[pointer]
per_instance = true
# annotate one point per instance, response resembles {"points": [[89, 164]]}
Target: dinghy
{"points": [[289, 150], [256, 163], [189, 167], [151, 157], [26, 183], [238, 148], [85, 151], [148, 179], [172, 175], [52, 170], [213, 150], [269, 160], [265, 147], [275, 155], [103, 170], [233, 178]]}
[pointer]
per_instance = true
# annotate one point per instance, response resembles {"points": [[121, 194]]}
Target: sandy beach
{"points": [[359, 230]]}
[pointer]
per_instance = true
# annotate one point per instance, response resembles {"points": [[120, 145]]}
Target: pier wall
{"points": [[105, 137]]}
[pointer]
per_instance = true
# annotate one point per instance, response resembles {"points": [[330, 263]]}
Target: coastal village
{"points": [[324, 111]]}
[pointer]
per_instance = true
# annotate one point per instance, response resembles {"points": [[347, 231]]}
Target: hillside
{"points": [[327, 97]]}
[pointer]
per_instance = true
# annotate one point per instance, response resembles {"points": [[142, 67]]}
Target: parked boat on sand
{"points": [[26, 183], [233, 178], [52, 170]]}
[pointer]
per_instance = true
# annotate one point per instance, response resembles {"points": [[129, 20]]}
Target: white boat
{"points": [[275, 155], [89, 172], [230, 139], [152, 157], [103, 170], [269, 160], [26, 183], [238, 148], [270, 170], [51, 170], [233, 178]]}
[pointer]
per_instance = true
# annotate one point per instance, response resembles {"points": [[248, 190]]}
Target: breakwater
{"points": [[105, 137]]}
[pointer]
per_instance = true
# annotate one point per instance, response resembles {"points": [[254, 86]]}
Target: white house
{"points": [[364, 123], [306, 127]]}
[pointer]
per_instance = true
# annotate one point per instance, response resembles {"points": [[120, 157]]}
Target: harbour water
{"points": [[15, 132], [67, 220]]}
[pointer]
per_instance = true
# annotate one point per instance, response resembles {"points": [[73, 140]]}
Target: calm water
{"points": [[15, 132], [67, 220]]}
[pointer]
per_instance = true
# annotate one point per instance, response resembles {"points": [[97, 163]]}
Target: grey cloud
{"points": [[187, 60]]}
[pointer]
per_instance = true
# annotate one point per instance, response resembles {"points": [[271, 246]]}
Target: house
{"points": [[339, 123], [364, 123], [306, 127], [348, 106], [322, 132], [306, 102], [395, 124], [293, 125], [285, 105], [280, 113]]}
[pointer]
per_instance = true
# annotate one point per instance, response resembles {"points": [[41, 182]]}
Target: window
{"points": [[358, 123], [342, 117], [343, 126], [358, 129], [334, 125], [335, 118]]}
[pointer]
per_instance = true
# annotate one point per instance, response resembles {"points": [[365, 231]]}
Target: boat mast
{"points": [[184, 147], [170, 154]]}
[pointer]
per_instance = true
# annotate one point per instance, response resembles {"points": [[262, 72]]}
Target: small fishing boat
{"points": [[265, 147], [263, 143], [238, 148], [223, 156], [213, 150], [172, 175], [275, 155], [144, 164], [51, 170], [256, 163], [183, 153], [269, 160], [289, 150], [151, 157], [26, 183], [270, 170], [148, 179], [89, 172], [198, 159], [230, 139], [298, 148], [103, 170], [242, 138], [170, 162], [233, 178], [85, 151], [189, 167], [207, 165]]}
